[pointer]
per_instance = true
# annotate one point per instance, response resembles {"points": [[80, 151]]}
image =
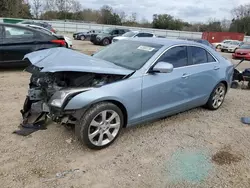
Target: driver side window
{"points": [[115, 32], [177, 56]]}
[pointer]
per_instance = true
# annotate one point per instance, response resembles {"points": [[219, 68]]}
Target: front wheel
{"points": [[82, 37], [100, 125], [217, 97]]}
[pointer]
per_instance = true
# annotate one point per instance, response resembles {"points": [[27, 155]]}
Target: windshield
{"points": [[129, 34], [234, 43], [128, 54], [108, 30], [245, 46]]}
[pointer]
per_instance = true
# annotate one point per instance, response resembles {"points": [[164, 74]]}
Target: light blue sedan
{"points": [[127, 83]]}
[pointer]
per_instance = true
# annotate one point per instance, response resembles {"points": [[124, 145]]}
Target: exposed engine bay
{"points": [[49, 92]]}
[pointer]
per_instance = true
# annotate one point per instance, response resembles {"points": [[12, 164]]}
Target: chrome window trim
{"points": [[154, 62]]}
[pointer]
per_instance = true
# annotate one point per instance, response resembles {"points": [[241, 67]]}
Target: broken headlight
{"points": [[59, 98]]}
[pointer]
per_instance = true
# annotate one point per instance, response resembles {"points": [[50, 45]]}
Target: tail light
{"points": [[61, 42], [53, 30]]}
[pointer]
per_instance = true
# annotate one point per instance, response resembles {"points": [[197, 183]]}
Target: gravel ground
{"points": [[198, 148]]}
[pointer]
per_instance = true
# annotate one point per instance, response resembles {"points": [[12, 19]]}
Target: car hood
{"points": [[62, 59]]}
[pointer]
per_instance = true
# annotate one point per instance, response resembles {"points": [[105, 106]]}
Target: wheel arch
{"points": [[115, 102]]}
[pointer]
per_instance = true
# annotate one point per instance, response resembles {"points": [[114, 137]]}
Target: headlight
{"points": [[61, 96], [98, 38]]}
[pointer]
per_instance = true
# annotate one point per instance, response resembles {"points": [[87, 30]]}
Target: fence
{"points": [[78, 26]]}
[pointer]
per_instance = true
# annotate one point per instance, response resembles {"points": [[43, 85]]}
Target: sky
{"points": [[187, 10]]}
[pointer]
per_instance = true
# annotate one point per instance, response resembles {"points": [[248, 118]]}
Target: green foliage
{"points": [[14, 8], [166, 21]]}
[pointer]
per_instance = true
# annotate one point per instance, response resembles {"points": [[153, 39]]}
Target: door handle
{"points": [[216, 67], [185, 75]]}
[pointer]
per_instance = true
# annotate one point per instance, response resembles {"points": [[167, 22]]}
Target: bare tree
{"points": [[36, 7], [133, 17], [64, 5], [76, 6], [241, 11]]}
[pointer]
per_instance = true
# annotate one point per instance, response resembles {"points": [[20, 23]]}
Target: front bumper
{"points": [[228, 49]]}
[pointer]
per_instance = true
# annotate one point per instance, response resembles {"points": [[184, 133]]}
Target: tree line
{"points": [[73, 10]]}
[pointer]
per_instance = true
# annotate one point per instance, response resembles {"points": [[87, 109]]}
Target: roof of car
{"points": [[164, 41], [18, 25]]}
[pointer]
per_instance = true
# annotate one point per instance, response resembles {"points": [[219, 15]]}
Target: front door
{"points": [[166, 93]]}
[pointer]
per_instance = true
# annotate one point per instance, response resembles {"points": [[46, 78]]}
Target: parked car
{"points": [[127, 83], [41, 24], [85, 35], [133, 34], [105, 38], [17, 40], [243, 52], [202, 41], [231, 46], [68, 40], [219, 44]]}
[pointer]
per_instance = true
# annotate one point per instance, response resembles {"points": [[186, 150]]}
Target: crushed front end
{"points": [[49, 93]]}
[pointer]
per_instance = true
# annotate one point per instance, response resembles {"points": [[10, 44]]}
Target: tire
{"points": [[234, 85], [93, 132], [82, 37], [67, 46], [216, 96], [218, 46], [105, 42], [222, 50]]}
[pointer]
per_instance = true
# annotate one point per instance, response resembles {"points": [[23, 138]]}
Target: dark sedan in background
{"points": [[105, 38], [16, 41], [85, 35]]}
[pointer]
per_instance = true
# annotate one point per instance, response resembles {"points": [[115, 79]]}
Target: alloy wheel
{"points": [[218, 97], [104, 127]]}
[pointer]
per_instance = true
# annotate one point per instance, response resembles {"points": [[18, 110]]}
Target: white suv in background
{"points": [[133, 34]]}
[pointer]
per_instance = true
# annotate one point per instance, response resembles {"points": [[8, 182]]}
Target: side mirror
{"points": [[163, 67]]}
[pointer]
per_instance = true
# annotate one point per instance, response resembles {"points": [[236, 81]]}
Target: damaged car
{"points": [[127, 83]]}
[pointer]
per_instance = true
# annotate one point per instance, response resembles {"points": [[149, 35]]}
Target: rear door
{"points": [[203, 74], [17, 42]]}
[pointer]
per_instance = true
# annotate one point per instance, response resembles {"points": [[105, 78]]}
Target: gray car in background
{"points": [[85, 35]]}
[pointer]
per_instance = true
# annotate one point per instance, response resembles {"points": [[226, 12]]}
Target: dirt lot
{"points": [[198, 148]]}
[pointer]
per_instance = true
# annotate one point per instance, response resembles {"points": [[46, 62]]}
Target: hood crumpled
{"points": [[63, 59]]}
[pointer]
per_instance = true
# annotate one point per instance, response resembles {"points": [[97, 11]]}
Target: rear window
{"points": [[201, 56], [245, 46]]}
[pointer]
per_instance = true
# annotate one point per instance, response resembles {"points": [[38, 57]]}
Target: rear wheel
{"points": [[105, 42], [100, 125], [217, 97]]}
